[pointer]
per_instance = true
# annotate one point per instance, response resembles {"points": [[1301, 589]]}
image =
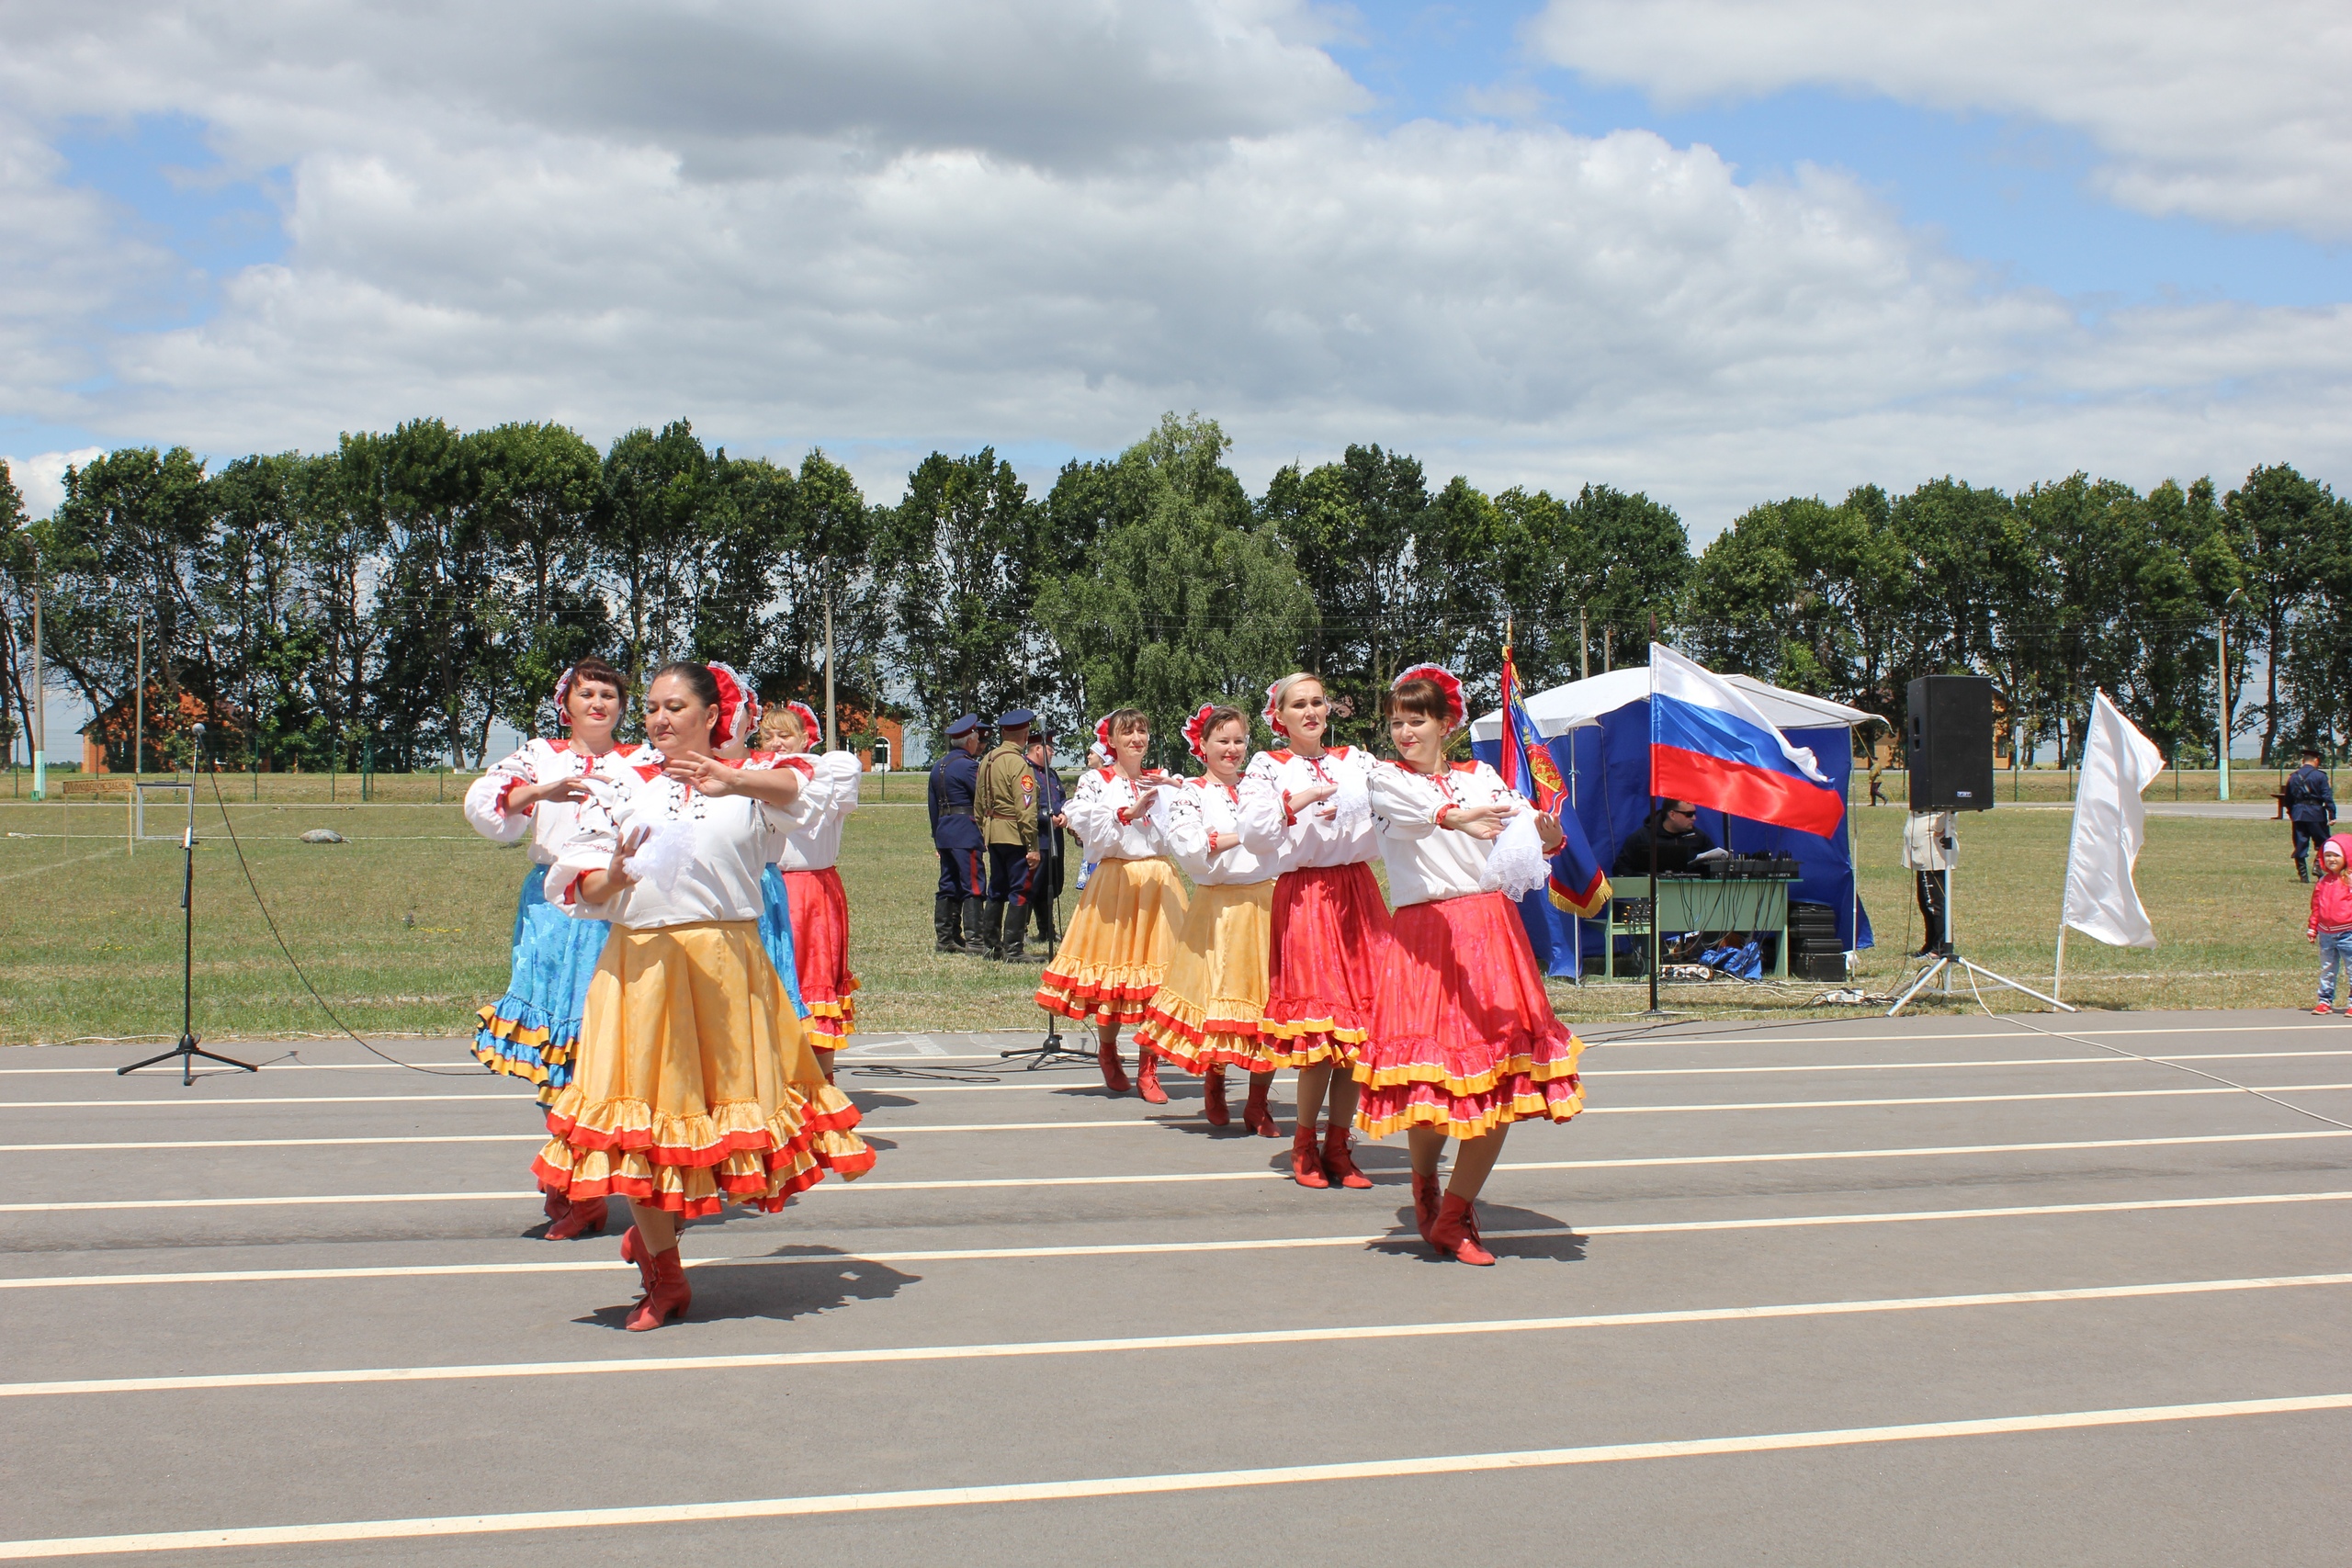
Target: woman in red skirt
{"points": [[1305, 811], [805, 857], [1464, 1042]]}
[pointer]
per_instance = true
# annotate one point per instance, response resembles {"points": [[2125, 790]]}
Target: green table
{"points": [[1754, 905]]}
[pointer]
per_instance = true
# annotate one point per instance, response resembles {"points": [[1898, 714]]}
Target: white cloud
{"points": [[2233, 113], [40, 479], [1038, 228]]}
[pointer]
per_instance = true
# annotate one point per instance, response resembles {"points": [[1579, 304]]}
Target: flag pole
{"points": [[1655, 822], [2066, 885]]}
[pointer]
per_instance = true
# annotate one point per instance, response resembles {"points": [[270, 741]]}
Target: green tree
{"points": [[537, 488], [956, 564], [1185, 600]]}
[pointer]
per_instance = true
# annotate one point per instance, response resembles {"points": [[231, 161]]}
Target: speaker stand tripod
{"points": [[1948, 958], [187, 1052], [1049, 1051]]}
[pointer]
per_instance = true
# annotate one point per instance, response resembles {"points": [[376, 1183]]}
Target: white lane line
{"points": [[869, 1185], [1357, 1334], [884, 1129], [455, 1062], [1149, 1485], [1146, 1248], [510, 1099], [2291, 1024]]}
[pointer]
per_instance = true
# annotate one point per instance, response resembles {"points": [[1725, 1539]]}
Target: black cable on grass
{"points": [[271, 921]]}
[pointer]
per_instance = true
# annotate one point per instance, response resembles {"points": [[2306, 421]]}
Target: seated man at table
{"points": [[1674, 828]]}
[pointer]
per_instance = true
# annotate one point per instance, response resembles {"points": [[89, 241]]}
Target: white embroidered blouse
{"points": [[1113, 819], [549, 822], [1202, 807], [1336, 832], [720, 877], [812, 837], [1426, 862]]}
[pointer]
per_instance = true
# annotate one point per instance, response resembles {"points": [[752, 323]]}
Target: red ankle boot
{"points": [[633, 1250], [1148, 1078], [583, 1219], [1114, 1077], [1213, 1104], [1336, 1163], [1456, 1231], [666, 1297], [1305, 1168], [1255, 1115], [1426, 1197], [557, 1204]]}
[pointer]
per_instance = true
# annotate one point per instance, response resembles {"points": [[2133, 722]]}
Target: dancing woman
{"points": [[529, 1032], [1114, 954], [692, 1085], [1307, 813], [805, 856], [1463, 1041], [1205, 1017]]}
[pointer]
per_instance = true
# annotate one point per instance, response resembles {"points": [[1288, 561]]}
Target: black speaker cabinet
{"points": [[1950, 747]]}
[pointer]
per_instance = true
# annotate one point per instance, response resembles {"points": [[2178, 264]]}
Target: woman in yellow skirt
{"points": [[1206, 1016], [1114, 954], [694, 1085]]}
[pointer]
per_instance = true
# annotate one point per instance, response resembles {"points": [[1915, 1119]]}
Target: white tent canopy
{"points": [[1579, 705]]}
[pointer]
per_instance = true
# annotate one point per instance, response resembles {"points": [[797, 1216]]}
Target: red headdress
{"points": [[808, 724], [1272, 693], [1196, 730], [1102, 735], [563, 691], [739, 706], [1447, 682]]}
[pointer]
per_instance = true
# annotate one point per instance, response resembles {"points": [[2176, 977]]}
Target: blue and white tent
{"points": [[1599, 734]]}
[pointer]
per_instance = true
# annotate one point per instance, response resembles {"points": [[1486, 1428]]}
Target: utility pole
{"points": [[41, 699], [831, 740], [1584, 648], [138, 734], [2221, 702]]}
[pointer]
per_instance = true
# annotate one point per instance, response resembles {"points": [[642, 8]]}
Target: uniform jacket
{"points": [[953, 779], [1050, 796], [2309, 798], [1006, 799]]}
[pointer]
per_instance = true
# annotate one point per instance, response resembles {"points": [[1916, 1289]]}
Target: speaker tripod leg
{"points": [[1930, 973]]}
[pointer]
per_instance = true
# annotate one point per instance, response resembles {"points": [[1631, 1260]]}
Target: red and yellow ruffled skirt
{"points": [[1463, 1037], [1206, 1013], [1114, 954], [692, 1085], [820, 953], [1329, 940]]}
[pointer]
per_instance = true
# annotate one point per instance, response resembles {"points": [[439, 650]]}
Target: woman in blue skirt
{"points": [[531, 1031]]}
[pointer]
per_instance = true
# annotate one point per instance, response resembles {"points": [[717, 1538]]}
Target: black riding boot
{"points": [[976, 914], [992, 929], [945, 924]]}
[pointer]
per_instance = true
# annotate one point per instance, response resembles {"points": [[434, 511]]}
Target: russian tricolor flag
{"points": [[1712, 747]]}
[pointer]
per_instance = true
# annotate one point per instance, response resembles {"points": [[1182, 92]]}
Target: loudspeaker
{"points": [[1950, 748]]}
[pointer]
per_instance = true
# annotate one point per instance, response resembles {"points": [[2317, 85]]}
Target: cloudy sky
{"points": [[1714, 250]]}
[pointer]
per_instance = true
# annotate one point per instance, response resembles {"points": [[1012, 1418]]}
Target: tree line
{"points": [[391, 600]]}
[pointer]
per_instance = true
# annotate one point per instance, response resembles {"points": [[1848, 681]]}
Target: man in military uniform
{"points": [[956, 834], [1007, 806], [2310, 808], [1046, 885]]}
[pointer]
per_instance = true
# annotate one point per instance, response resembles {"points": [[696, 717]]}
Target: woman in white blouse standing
{"points": [[1205, 1015], [1307, 814], [805, 859], [1463, 1041], [531, 1031], [1114, 954], [694, 1085]]}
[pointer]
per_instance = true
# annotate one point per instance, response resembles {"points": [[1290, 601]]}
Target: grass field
{"points": [[405, 928]]}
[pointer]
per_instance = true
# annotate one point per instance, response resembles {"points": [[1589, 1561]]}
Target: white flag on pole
{"points": [[2111, 824]]}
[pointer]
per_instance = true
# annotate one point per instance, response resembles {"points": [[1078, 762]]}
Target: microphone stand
{"points": [[187, 1052]]}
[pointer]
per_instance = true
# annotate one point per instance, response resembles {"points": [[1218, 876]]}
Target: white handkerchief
{"points": [[1517, 865], [663, 856]]}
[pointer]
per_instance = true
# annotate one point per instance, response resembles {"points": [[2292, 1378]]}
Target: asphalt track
{"points": [[1945, 1290]]}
